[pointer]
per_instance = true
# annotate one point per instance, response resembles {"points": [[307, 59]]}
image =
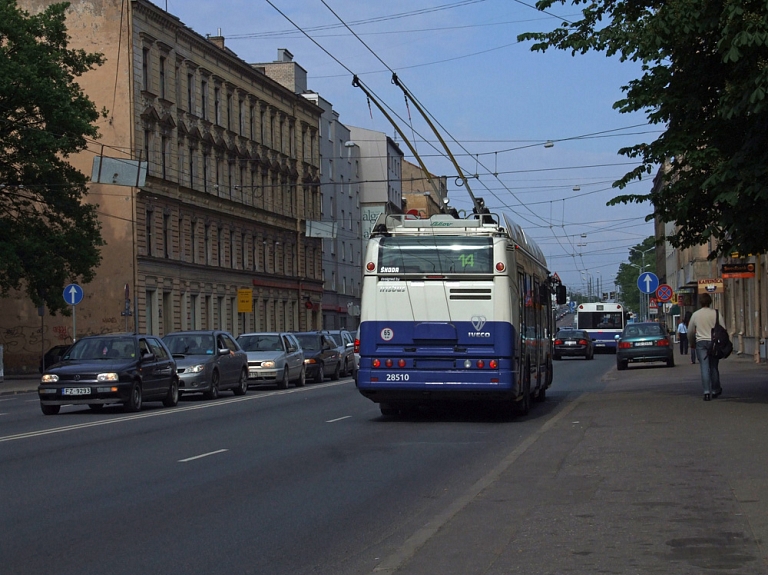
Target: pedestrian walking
{"points": [[700, 327], [682, 336]]}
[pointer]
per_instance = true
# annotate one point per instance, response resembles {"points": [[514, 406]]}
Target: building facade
{"points": [[420, 196], [215, 235]]}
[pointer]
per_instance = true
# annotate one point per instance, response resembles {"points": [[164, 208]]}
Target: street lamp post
{"points": [[644, 298]]}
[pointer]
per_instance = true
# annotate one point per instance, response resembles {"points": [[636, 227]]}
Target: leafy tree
{"points": [[48, 235], [626, 277], [705, 78]]}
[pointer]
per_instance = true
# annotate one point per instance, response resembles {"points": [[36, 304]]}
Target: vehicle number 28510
{"points": [[398, 377]]}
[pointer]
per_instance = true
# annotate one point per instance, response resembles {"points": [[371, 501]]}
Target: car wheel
{"points": [[302, 378], [96, 406], [134, 400], [591, 355], [556, 357], [542, 395], [172, 397], [336, 372], [50, 409], [320, 375], [671, 362], [242, 386], [213, 393], [283, 383], [621, 365]]}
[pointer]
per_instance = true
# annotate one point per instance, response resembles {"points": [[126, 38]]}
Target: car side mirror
{"points": [[147, 356], [617, 336], [224, 351]]}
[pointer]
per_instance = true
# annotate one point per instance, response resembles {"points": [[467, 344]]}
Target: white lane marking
{"points": [[32, 400], [411, 546], [3, 414], [166, 412], [9, 399], [338, 419], [203, 455]]}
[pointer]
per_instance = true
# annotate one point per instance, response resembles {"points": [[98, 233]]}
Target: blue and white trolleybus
{"points": [[455, 310]]}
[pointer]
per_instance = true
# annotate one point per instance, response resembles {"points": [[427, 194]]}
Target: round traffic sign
{"points": [[73, 294], [648, 282], [664, 292]]}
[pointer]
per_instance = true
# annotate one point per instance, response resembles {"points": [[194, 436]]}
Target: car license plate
{"points": [[570, 343], [76, 391], [643, 343]]}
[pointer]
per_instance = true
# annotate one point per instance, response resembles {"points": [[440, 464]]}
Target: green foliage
{"points": [[705, 78], [48, 236]]}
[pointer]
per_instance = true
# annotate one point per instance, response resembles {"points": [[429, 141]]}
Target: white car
{"points": [[274, 357]]}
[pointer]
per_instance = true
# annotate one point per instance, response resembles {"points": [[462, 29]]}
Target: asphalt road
{"points": [[314, 480]]}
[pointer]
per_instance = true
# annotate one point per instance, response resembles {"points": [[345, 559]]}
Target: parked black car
{"points": [[573, 343], [208, 362], [115, 368], [321, 355], [346, 341], [53, 356]]}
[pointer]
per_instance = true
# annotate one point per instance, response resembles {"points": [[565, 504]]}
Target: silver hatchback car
{"points": [[208, 362], [274, 357]]}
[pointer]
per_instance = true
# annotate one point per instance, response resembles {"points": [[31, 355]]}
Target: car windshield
{"points": [[260, 342], [103, 348], [190, 344], [309, 341]]}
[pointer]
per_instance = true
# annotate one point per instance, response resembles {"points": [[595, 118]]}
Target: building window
{"points": [[151, 308], [205, 172], [145, 69], [240, 118], [204, 99], [193, 240], [163, 156], [251, 120], [232, 251], [149, 225], [229, 112], [191, 167], [191, 93], [162, 77], [216, 111], [244, 251], [166, 235], [220, 247], [182, 253], [207, 244], [255, 263]]}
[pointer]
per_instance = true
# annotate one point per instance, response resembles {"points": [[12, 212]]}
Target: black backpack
{"points": [[721, 343]]}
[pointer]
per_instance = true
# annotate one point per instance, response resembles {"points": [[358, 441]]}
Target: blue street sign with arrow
{"points": [[648, 282], [73, 294]]}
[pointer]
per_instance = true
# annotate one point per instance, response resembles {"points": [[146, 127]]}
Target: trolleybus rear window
{"points": [[435, 255]]}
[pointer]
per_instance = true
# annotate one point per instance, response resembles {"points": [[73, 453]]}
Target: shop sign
{"points": [[710, 286], [738, 270]]}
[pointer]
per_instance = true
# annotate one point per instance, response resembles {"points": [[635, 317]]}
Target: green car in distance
{"points": [[644, 343]]}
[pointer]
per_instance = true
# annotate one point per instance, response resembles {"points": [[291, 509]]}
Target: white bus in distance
{"points": [[602, 321]]}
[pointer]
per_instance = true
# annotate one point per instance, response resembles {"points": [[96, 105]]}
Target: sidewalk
{"points": [[19, 384], [640, 477]]}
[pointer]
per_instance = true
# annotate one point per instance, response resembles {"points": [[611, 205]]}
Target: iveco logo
{"points": [[478, 321], [479, 334]]}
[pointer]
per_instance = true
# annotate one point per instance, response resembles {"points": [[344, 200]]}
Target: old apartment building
{"points": [[215, 235]]}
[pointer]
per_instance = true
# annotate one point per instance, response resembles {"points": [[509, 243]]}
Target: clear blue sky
{"points": [[495, 97]]}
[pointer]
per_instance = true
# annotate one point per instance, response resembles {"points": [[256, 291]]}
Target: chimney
{"points": [[217, 40], [283, 55]]}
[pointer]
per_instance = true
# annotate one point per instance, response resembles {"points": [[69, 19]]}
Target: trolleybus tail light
{"points": [[400, 363], [357, 345], [376, 363], [389, 363], [493, 364], [480, 364], [370, 266], [500, 267]]}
